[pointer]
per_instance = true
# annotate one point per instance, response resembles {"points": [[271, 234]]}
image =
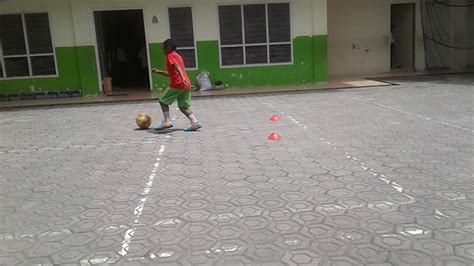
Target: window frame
{"points": [[28, 55], [194, 33], [267, 44]]}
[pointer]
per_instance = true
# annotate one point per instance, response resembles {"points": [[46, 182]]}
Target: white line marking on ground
{"points": [[128, 237], [86, 146], [362, 165], [413, 114]]}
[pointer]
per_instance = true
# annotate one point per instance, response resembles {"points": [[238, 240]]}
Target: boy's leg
{"points": [[168, 97], [166, 111], [189, 114], [184, 103]]}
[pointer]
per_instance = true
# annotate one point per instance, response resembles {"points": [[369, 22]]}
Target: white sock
{"points": [[167, 116], [193, 119]]}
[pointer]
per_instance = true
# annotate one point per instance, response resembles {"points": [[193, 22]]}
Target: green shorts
{"points": [[183, 96]]}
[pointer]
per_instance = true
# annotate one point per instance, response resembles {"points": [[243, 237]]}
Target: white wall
{"points": [[205, 13], [59, 15], [359, 36]]}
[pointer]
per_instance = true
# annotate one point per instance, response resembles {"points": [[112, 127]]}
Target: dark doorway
{"points": [[122, 49], [402, 31]]}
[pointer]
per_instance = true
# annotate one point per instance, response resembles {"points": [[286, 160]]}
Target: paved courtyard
{"points": [[365, 176]]}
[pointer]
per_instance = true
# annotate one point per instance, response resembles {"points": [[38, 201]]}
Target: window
{"points": [[26, 48], [182, 32], [255, 34]]}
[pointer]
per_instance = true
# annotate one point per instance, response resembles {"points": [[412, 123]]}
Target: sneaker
{"points": [[193, 127], [164, 125]]}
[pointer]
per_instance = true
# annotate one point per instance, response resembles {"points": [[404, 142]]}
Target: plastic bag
{"points": [[203, 81]]}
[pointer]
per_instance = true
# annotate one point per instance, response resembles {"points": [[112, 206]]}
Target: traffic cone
{"points": [[275, 118], [274, 137]]}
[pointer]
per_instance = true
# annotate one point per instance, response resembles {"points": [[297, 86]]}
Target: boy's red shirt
{"points": [[175, 79]]}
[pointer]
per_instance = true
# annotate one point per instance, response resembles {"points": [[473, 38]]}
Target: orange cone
{"points": [[275, 118], [274, 137]]}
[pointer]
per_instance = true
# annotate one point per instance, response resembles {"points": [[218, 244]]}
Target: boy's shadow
{"points": [[160, 132]]}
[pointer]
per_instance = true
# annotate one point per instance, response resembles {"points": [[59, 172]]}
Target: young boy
{"points": [[180, 88]]}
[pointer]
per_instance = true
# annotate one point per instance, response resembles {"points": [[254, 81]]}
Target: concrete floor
{"points": [[363, 176]]}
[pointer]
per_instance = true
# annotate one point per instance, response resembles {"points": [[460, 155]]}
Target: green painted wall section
{"points": [[76, 70], [88, 70], [320, 48], [309, 66]]}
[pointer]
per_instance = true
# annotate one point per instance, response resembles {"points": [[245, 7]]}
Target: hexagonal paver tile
{"points": [[284, 227], [351, 203], [244, 200], [166, 237], [271, 203], [248, 211], [378, 226], [70, 255], [393, 241], [253, 223], [264, 253], [85, 226], [410, 257], [200, 228], [233, 260], [202, 242], [465, 250], [433, 247], [331, 209], [451, 194], [264, 236], [168, 224], [233, 247], [454, 236], [223, 218], [78, 239], [417, 209], [16, 245], [397, 218], [305, 218], [293, 242], [369, 253], [455, 261], [301, 257], [227, 232], [414, 230], [195, 215], [43, 250], [341, 221], [165, 254], [53, 235], [354, 235], [200, 258], [329, 247], [341, 261], [318, 231], [434, 221]]}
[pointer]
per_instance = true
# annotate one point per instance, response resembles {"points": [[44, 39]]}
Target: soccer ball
{"points": [[143, 121]]}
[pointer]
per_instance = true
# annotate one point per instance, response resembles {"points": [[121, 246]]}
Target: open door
{"points": [[402, 29], [122, 50]]}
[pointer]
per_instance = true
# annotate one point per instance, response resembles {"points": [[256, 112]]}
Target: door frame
{"points": [[414, 6], [96, 44]]}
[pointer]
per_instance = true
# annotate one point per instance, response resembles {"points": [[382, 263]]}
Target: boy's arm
{"points": [[160, 72], [180, 72]]}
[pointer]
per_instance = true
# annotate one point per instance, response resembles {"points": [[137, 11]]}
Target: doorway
{"points": [[122, 50], [402, 35]]}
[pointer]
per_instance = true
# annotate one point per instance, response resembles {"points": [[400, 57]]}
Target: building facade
{"points": [[80, 45]]}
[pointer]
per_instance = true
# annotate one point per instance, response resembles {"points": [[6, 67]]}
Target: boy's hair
{"points": [[170, 44]]}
